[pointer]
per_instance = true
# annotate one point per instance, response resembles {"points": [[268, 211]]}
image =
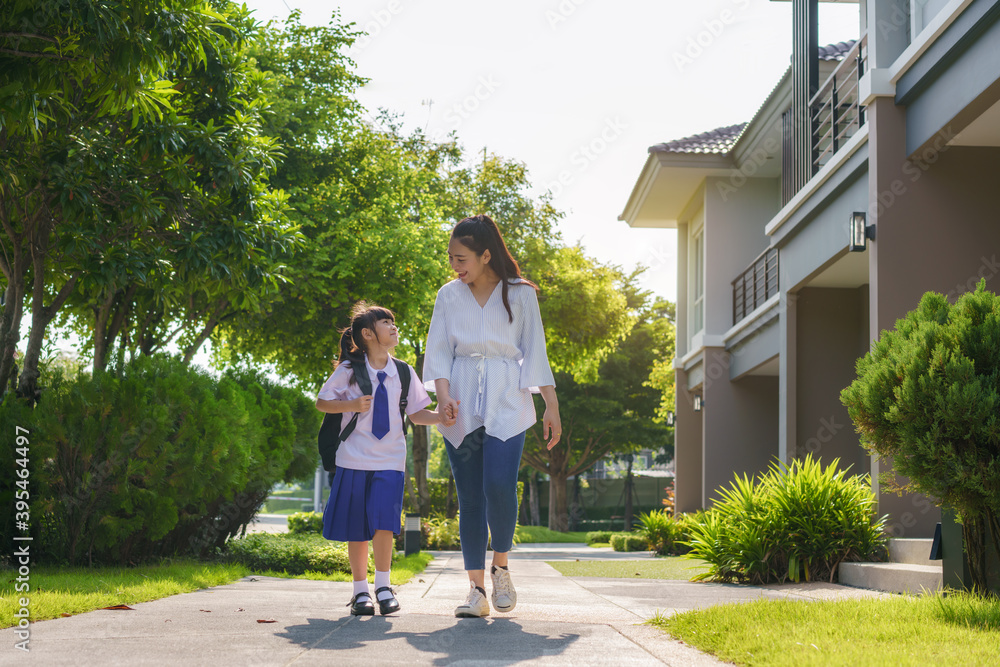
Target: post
{"points": [[411, 534]]}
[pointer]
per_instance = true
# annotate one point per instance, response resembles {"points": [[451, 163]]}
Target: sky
{"points": [[575, 89]]}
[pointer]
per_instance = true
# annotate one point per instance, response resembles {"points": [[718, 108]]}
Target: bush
{"points": [[599, 536], [291, 553], [662, 531], [155, 458], [629, 542], [927, 396], [440, 533], [305, 522], [798, 522]]}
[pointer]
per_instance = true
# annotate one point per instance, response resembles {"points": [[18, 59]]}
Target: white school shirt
{"points": [[362, 450], [492, 365]]}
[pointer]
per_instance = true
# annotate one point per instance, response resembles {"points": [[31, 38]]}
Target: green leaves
{"points": [[792, 523], [928, 395]]}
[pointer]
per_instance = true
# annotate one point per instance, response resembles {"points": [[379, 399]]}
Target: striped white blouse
{"points": [[492, 364]]}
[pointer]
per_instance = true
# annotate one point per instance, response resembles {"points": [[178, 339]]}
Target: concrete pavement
{"points": [[558, 621]]}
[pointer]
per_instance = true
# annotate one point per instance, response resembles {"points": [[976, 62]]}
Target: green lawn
{"points": [[58, 591], [68, 591], [904, 630], [528, 534], [671, 567]]}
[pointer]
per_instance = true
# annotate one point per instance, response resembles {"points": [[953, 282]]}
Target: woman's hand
{"points": [[362, 404], [551, 423]]}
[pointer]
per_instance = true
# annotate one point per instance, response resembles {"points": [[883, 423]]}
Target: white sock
{"points": [[361, 587], [382, 580]]}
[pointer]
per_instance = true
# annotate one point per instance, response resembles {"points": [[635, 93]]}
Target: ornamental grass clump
{"points": [[793, 523], [928, 396]]}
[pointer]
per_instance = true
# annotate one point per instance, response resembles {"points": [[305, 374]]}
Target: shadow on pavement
{"points": [[501, 641]]}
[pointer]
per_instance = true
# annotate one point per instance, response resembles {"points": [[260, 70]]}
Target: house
{"points": [[867, 177]]}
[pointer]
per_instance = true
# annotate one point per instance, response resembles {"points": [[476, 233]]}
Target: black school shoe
{"points": [[388, 605], [361, 605]]}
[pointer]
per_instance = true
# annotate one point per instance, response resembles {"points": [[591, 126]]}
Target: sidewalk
{"points": [[558, 621]]}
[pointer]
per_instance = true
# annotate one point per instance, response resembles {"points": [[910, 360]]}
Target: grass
{"points": [[402, 571], [958, 629], [57, 591], [672, 567], [529, 534]]}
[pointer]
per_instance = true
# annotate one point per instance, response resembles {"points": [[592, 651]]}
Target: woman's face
{"points": [[469, 266]]}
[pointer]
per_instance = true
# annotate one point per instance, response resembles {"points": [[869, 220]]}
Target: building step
{"points": [[914, 551], [892, 577]]}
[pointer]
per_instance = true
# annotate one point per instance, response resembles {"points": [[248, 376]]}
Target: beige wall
{"points": [[740, 423]]}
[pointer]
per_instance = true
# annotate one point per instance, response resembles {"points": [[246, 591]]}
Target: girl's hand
{"points": [[362, 404], [449, 410], [551, 426], [445, 418]]}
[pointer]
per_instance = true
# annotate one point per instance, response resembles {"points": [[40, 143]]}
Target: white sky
{"points": [[574, 87]]}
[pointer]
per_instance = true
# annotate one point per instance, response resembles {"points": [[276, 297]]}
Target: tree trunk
{"points": [[576, 507], [558, 516], [41, 316], [628, 495], [536, 517], [420, 468], [10, 333], [420, 447]]}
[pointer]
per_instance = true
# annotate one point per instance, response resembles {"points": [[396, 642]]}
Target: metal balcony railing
{"points": [[755, 285], [836, 114]]}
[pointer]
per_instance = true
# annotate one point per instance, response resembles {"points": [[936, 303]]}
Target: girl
{"points": [[366, 494], [485, 355]]}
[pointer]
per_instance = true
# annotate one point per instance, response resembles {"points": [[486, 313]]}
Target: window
{"points": [[698, 282]]}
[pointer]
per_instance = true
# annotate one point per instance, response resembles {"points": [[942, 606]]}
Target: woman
{"points": [[485, 354]]}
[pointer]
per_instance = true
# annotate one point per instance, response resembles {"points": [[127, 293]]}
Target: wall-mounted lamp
{"points": [[671, 418], [697, 403], [861, 231]]}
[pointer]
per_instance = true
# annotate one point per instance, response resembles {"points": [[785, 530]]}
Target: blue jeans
{"points": [[485, 470]]}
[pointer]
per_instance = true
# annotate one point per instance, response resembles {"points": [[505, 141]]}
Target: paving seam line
{"points": [[598, 594], [438, 574]]}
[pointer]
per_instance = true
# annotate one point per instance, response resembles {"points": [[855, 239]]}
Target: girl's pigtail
{"points": [[350, 352]]}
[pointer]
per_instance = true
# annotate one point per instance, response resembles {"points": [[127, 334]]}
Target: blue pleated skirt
{"points": [[361, 502]]}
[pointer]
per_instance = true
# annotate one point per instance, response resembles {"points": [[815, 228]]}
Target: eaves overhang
{"points": [[666, 185]]}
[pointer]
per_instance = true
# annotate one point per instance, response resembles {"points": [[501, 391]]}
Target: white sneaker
{"points": [[504, 595], [475, 605]]}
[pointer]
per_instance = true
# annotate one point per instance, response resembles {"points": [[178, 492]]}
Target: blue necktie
{"points": [[380, 416]]}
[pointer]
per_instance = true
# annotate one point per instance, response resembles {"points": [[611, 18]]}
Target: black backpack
{"points": [[330, 435]]}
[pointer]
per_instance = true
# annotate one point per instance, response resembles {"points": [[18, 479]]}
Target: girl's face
{"points": [[385, 335], [469, 266]]}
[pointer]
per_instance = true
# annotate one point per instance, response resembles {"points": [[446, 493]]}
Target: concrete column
{"points": [[787, 373], [687, 449]]}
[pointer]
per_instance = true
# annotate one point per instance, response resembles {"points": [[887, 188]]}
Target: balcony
{"points": [[836, 114], [756, 284]]}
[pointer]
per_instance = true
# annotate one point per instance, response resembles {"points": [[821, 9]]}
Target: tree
{"points": [[97, 162], [928, 396], [613, 413]]}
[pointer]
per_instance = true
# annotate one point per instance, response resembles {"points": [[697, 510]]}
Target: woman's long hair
{"points": [[364, 315], [479, 233]]}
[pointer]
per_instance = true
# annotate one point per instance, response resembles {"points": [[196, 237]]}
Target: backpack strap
{"points": [[365, 384], [403, 369]]}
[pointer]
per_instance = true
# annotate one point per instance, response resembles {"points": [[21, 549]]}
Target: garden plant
{"points": [[928, 396]]}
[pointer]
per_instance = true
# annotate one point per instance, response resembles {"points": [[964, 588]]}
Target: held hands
{"points": [[448, 411], [362, 404]]}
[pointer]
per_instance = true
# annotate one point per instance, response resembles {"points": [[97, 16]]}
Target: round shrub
{"points": [[928, 396], [663, 532], [599, 536], [629, 542], [286, 552]]}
